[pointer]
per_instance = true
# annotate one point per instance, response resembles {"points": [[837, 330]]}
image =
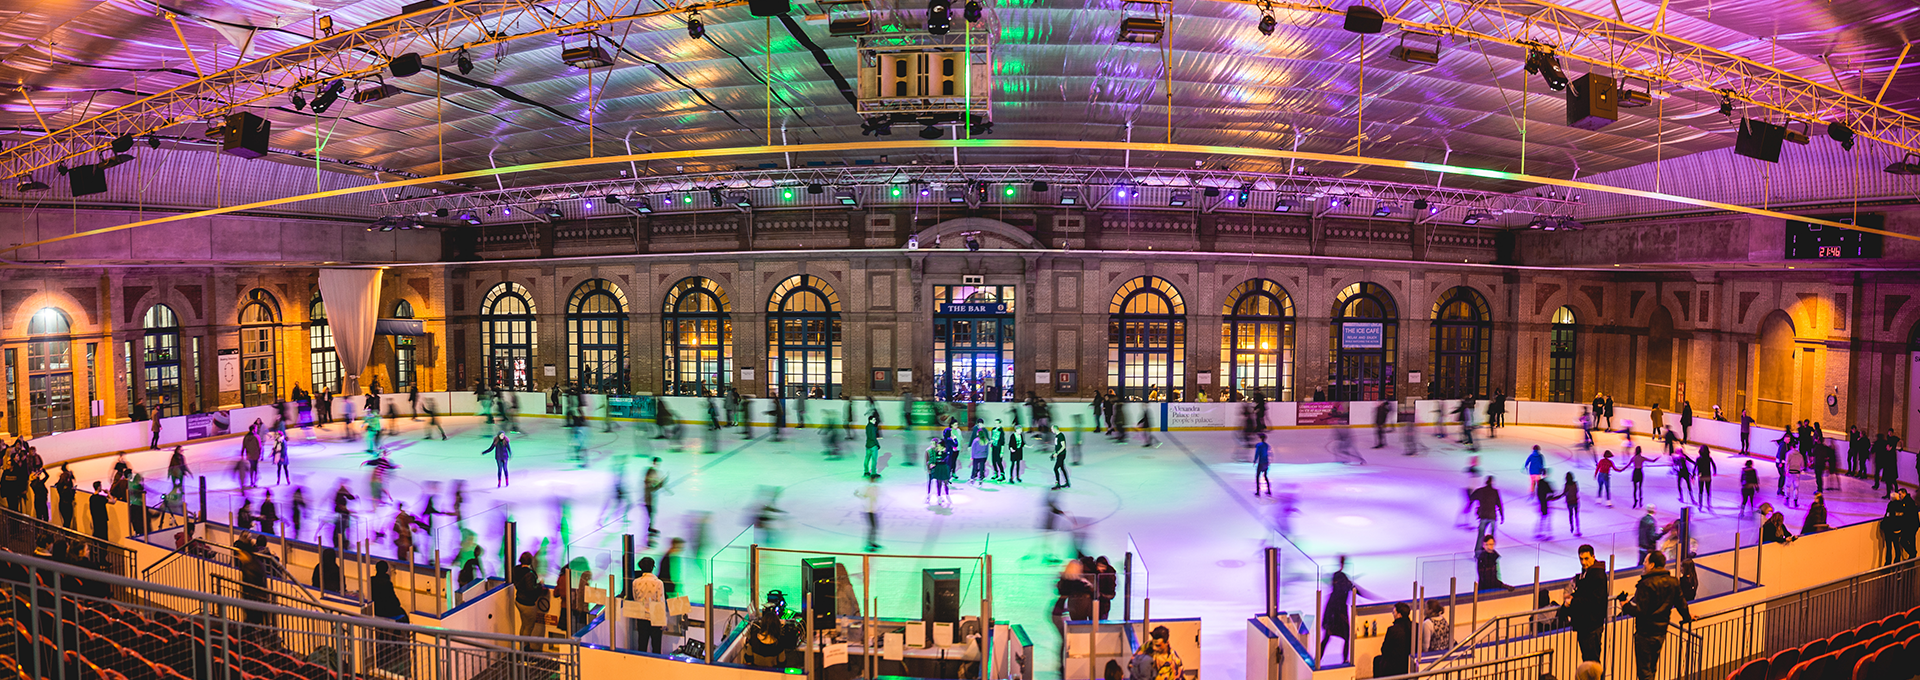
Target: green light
{"points": [[1009, 191], [689, 199], [787, 195], [896, 192]]}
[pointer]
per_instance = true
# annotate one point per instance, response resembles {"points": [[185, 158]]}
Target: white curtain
{"points": [[353, 309]]}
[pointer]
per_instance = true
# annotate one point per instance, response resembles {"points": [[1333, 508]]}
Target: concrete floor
{"points": [[1185, 506]]}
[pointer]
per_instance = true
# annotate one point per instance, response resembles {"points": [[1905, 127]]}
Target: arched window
{"points": [[506, 336], [160, 361], [1365, 336], [1462, 338], [403, 346], [259, 348], [803, 338], [1256, 341], [325, 363], [698, 327], [1774, 398], [1660, 364], [50, 371], [597, 337], [1147, 340], [1561, 350]]}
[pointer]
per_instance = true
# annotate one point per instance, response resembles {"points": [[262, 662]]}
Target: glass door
{"points": [[51, 398]]}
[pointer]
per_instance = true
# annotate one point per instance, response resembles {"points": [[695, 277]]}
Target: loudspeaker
{"points": [[821, 583], [405, 64], [768, 8], [1759, 139], [1364, 19], [940, 596], [87, 180], [246, 135], [1593, 102], [1505, 248]]}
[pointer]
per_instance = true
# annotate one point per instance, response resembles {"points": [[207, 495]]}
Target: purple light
{"points": [[589, 205], [926, 192], [506, 211], [1335, 203]]}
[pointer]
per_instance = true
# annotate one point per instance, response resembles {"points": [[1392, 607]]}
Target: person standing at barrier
{"points": [[1655, 598], [1380, 412], [97, 507], [871, 464], [1486, 565], [250, 448], [530, 600], [63, 491], [1587, 604], [1749, 486], [1686, 420], [1496, 413], [1816, 520], [650, 605], [1396, 647]]}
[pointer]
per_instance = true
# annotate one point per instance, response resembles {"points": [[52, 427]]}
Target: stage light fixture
{"points": [[463, 62], [587, 205], [695, 29], [1179, 199], [939, 16], [714, 195], [586, 57], [153, 142], [1383, 211], [956, 195], [878, 126], [1421, 204], [852, 25], [367, 95], [981, 128], [973, 244], [440, 213], [1802, 136], [846, 197], [122, 143], [550, 211], [1210, 192], [469, 218], [1038, 187], [329, 93], [299, 101], [972, 11], [1473, 219], [1726, 105], [739, 199], [405, 65], [29, 184], [615, 199], [1839, 132], [116, 160], [1069, 197], [816, 189], [1141, 30], [1283, 205], [1547, 66], [643, 206], [786, 194], [1267, 24], [1241, 197], [930, 132], [1908, 165]]}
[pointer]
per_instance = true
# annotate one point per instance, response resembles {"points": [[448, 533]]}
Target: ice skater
{"points": [[1570, 491], [1603, 478], [1703, 467], [1749, 486], [978, 451], [1380, 412], [997, 445], [1061, 479], [1016, 455], [870, 499], [1491, 511], [433, 420], [939, 473], [1262, 456], [280, 471], [1683, 478], [502, 451], [651, 484], [1536, 465], [1334, 619], [1146, 427], [1543, 493], [383, 468], [1410, 439], [871, 463], [1343, 447], [1639, 476]]}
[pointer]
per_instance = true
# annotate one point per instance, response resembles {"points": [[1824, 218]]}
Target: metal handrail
{"points": [[1469, 640], [130, 557], [1548, 653]]}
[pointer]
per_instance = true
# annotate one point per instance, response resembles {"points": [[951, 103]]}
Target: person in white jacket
{"points": [[649, 608]]}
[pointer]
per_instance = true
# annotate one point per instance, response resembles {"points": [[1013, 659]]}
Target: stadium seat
{"points": [[1782, 663], [1843, 664], [1752, 670], [1810, 669], [1843, 639], [1815, 648]]}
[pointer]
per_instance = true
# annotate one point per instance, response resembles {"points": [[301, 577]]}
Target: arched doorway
{"points": [[1147, 340], [321, 357], [404, 368], [1775, 371], [1256, 341], [1462, 339], [1365, 334], [973, 343], [803, 338], [699, 331], [160, 361], [1562, 347], [597, 337], [259, 348], [1660, 353], [506, 336], [50, 372]]}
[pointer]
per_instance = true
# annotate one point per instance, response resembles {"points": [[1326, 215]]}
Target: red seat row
{"points": [[1887, 649]]}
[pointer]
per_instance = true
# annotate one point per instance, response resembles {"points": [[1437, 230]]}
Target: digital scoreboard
{"points": [[1807, 241]]}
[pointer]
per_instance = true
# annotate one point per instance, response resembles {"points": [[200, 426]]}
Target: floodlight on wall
{"points": [[1473, 218], [1908, 165], [1839, 132], [956, 195], [1141, 30], [549, 210], [1547, 66], [1069, 197], [1424, 50], [739, 199], [846, 197], [643, 205], [586, 57], [1180, 199], [1283, 205], [469, 218], [939, 16], [29, 184]]}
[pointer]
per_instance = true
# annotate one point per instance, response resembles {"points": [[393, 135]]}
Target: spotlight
{"points": [[1383, 211], [1839, 132], [587, 205], [463, 62], [939, 16], [61, 168], [714, 194], [550, 211], [816, 189], [1473, 219], [1726, 104], [1427, 51], [695, 29], [614, 199], [28, 183], [1141, 30], [1547, 66], [1069, 197], [1123, 191], [972, 11], [367, 95], [1267, 24], [153, 142], [846, 197], [1909, 165], [982, 128], [740, 200], [1038, 187], [956, 195], [588, 56], [116, 160], [469, 218], [299, 101], [440, 213], [1421, 204], [1180, 199], [930, 132], [1283, 205], [1210, 192], [643, 206], [1801, 136], [329, 93]]}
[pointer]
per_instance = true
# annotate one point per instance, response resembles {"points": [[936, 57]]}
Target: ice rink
{"points": [[1186, 506]]}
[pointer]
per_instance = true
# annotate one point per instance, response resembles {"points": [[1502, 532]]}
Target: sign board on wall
{"points": [[230, 372], [746, 374], [1362, 335], [1065, 382], [1413, 377], [1322, 413], [882, 380], [973, 308], [1182, 416], [203, 425]]}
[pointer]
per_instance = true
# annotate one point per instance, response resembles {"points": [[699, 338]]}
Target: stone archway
{"points": [[992, 234]]}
